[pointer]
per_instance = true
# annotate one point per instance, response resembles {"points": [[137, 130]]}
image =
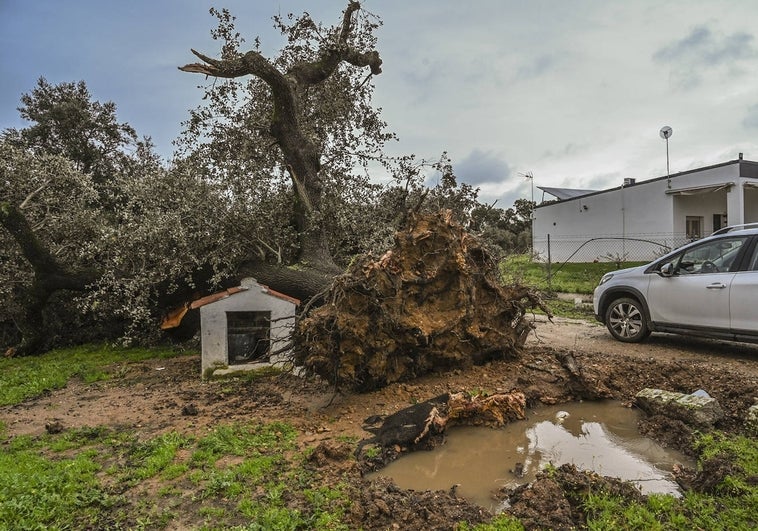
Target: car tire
{"points": [[625, 319]]}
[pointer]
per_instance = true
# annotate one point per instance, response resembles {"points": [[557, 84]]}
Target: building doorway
{"points": [[719, 221], [248, 336]]}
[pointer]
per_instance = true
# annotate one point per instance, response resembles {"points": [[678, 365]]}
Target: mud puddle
{"points": [[598, 436]]}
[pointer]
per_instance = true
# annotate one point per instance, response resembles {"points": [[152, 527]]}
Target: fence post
{"points": [[549, 275]]}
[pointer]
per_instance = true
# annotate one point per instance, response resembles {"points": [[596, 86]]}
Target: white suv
{"points": [[707, 288]]}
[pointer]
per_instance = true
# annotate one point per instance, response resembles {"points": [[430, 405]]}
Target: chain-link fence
{"points": [[630, 248]]}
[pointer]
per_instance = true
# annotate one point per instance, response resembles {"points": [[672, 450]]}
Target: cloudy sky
{"points": [[574, 92]]}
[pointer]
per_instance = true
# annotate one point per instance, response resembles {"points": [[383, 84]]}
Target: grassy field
{"points": [[251, 475], [570, 278], [234, 477], [24, 378], [240, 475]]}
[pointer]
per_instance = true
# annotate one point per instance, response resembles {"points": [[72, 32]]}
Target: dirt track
{"points": [[592, 337]]}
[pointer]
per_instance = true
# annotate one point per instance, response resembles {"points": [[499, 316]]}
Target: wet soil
{"points": [[562, 361]]}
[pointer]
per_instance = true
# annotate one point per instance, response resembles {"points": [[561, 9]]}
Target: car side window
{"points": [[716, 256]]}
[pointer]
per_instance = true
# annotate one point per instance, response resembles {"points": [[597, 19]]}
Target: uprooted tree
{"points": [[436, 299], [271, 181], [433, 301]]}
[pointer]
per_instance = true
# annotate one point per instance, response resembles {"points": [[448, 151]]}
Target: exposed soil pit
{"points": [[597, 436]]}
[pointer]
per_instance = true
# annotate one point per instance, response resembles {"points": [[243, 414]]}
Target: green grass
{"points": [[28, 377], [156, 455], [238, 476], [564, 278], [743, 452], [732, 505], [41, 492], [564, 308], [502, 522]]}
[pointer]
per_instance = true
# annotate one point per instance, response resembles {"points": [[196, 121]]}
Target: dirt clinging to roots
{"points": [[432, 302]]}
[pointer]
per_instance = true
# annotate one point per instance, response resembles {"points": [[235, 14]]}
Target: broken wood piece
{"points": [[418, 425]]}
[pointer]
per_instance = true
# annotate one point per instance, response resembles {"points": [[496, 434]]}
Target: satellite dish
{"points": [[666, 132]]}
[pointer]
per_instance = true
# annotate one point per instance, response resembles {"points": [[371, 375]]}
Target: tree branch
{"points": [[347, 19], [28, 198], [47, 270], [41, 260]]}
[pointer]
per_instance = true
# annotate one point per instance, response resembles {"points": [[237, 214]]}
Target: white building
{"points": [[641, 220]]}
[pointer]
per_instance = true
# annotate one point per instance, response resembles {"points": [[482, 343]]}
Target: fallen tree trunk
{"points": [[434, 301]]}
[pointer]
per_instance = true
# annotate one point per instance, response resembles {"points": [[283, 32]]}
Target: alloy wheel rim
{"points": [[626, 320]]}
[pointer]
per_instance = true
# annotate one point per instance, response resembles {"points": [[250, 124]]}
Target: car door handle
{"points": [[716, 285]]}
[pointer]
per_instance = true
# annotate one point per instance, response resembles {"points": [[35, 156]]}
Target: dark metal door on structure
{"points": [[248, 336]]}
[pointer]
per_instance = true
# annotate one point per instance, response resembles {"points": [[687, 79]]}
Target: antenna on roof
{"points": [[666, 133], [529, 175]]}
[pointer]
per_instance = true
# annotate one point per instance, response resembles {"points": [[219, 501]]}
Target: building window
{"points": [[694, 227], [248, 336]]}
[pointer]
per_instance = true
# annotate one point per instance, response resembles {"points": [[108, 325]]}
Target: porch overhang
{"points": [[697, 190]]}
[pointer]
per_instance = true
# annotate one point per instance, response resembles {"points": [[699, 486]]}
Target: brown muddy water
{"points": [[597, 436]]}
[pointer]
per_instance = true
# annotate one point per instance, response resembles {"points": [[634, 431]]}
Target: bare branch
{"points": [[28, 198], [216, 68], [277, 253], [347, 20], [370, 59]]}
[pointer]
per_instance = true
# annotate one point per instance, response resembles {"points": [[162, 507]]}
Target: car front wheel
{"points": [[626, 321]]}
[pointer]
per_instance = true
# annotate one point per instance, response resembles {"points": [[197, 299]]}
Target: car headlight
{"points": [[605, 278]]}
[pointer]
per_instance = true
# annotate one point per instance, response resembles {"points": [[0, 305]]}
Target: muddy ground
{"points": [[564, 360]]}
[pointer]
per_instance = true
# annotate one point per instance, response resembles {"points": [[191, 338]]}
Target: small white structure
{"points": [[245, 328], [641, 220]]}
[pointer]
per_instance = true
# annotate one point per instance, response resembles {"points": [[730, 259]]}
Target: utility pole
{"points": [[529, 175], [666, 133]]}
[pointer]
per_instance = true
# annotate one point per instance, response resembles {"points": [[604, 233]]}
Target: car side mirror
{"points": [[667, 270]]}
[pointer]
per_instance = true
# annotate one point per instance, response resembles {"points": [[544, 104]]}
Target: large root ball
{"points": [[434, 301]]}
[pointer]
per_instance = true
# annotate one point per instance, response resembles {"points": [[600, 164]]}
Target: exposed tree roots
{"points": [[434, 301]]}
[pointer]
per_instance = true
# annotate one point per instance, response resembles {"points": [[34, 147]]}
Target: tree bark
{"points": [[49, 276], [301, 156], [303, 283]]}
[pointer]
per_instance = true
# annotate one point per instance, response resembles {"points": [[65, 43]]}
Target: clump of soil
{"points": [[423, 425], [381, 504], [554, 499], [432, 302], [670, 433]]}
